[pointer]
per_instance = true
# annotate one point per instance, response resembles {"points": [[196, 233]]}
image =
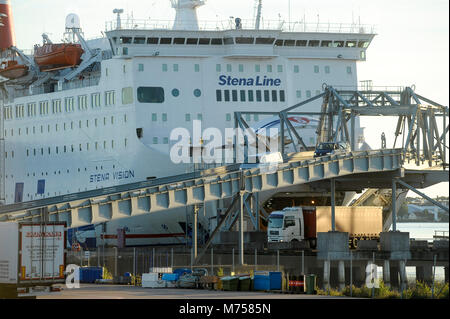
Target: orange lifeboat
{"points": [[51, 57], [12, 70]]}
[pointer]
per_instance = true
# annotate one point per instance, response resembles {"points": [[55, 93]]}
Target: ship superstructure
{"points": [[107, 120]]}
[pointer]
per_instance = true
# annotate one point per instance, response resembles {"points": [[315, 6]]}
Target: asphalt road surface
{"points": [[91, 291]]}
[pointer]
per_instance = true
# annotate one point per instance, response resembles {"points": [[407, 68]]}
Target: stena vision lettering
{"points": [[119, 175], [257, 81]]}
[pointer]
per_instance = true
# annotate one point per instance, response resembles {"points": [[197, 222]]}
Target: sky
{"points": [[411, 46]]}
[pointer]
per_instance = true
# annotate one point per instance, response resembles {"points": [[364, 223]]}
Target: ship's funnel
{"points": [[7, 37], [186, 17]]}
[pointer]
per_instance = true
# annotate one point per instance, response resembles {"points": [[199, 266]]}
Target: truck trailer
{"points": [[32, 257], [303, 223]]}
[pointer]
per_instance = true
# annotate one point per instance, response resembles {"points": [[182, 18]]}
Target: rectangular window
{"points": [[218, 68], [266, 96], [152, 40], [219, 95], [241, 68], [349, 70], [150, 94], [31, 109], [187, 117], [175, 68], [56, 106], [308, 93], [282, 96], [164, 67], [229, 68], [234, 94], [258, 96], [316, 69], [197, 67], [299, 94], [140, 67], [250, 96], [228, 117], [280, 68], [274, 96], [192, 41], [127, 95], [269, 68], [166, 140], [327, 69], [257, 68], [200, 116], [242, 92], [227, 95], [164, 117], [296, 69], [154, 117], [256, 117]]}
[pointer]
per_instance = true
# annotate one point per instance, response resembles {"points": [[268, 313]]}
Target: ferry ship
{"points": [[106, 118]]}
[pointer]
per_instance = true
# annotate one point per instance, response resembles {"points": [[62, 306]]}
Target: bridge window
{"points": [[179, 40], [326, 43], [338, 44], [363, 44], [216, 41], [228, 40], [289, 43], [192, 41], [301, 43], [165, 41], [139, 40], [125, 40], [265, 40], [204, 41], [150, 94], [279, 43], [245, 40], [350, 44], [152, 40], [313, 43]]}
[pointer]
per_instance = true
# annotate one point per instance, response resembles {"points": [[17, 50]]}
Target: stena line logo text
{"points": [[257, 81]]}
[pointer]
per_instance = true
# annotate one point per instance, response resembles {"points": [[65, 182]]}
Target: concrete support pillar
{"points": [[425, 273], [394, 272], [387, 273], [403, 278], [326, 274], [341, 272], [195, 232], [241, 229]]}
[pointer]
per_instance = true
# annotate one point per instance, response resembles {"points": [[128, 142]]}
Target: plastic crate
{"points": [[245, 284], [275, 280], [261, 282]]}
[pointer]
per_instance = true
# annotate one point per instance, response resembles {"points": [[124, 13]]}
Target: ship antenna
{"points": [[118, 12], [258, 15]]}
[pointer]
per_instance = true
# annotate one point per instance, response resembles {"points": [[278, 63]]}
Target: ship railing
{"points": [[280, 25]]}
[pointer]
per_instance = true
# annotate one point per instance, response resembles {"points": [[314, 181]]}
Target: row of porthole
{"points": [[176, 93], [59, 172]]}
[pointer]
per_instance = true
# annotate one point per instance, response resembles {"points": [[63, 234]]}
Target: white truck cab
{"points": [[286, 225]]}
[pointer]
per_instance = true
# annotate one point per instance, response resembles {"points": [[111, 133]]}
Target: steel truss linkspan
{"points": [[422, 139]]}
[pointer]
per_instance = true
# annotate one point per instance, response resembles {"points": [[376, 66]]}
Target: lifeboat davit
{"points": [[52, 57], [12, 70]]}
